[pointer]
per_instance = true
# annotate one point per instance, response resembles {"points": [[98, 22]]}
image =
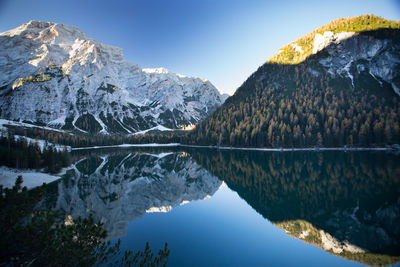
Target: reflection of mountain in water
{"points": [[120, 187], [345, 203]]}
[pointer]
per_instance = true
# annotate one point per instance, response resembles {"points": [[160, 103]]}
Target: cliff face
{"points": [[350, 46], [54, 74], [350, 54]]}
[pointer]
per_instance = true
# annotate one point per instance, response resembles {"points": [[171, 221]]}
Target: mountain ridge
{"points": [[90, 86]]}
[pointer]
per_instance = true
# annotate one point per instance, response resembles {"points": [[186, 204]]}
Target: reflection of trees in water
{"points": [[353, 197]]}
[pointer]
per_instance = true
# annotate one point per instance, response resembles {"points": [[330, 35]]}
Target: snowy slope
{"points": [[54, 74], [31, 178]]}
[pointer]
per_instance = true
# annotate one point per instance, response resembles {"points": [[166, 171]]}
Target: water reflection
{"points": [[122, 186], [345, 203]]}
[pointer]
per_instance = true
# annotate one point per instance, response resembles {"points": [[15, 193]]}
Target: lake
{"points": [[241, 208]]}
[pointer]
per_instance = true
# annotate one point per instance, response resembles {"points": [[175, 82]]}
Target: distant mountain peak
{"points": [[46, 31]]}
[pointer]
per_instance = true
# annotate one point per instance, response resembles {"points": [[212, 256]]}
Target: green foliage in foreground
{"points": [[41, 238]]}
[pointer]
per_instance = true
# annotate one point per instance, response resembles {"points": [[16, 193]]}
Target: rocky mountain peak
{"points": [[90, 86], [47, 32]]}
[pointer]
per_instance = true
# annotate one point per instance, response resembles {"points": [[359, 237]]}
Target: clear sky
{"points": [[223, 41]]}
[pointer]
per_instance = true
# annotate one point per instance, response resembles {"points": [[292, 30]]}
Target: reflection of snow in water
{"points": [[138, 184]]}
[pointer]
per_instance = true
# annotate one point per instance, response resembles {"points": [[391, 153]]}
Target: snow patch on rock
{"points": [[4, 122], [322, 41], [59, 122], [163, 209], [156, 70], [347, 69], [158, 127]]}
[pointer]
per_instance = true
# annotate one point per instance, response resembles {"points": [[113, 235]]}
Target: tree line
{"points": [[299, 105], [21, 154], [288, 106], [76, 139]]}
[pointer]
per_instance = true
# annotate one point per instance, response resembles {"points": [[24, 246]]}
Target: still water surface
{"points": [[242, 208]]}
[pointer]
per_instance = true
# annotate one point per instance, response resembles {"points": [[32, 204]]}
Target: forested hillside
{"points": [[344, 94]]}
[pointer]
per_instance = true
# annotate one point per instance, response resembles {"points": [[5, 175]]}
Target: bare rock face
{"points": [[347, 54], [54, 74]]}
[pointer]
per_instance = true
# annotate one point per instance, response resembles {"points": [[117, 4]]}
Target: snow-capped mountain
{"points": [[54, 74]]}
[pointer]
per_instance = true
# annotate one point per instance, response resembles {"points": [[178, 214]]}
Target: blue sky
{"points": [[220, 40]]}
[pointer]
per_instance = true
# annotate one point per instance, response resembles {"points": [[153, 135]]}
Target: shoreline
{"points": [[34, 178], [128, 145], [31, 178], [316, 149]]}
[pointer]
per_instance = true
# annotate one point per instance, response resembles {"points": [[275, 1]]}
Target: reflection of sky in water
{"points": [[224, 231], [283, 208]]}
